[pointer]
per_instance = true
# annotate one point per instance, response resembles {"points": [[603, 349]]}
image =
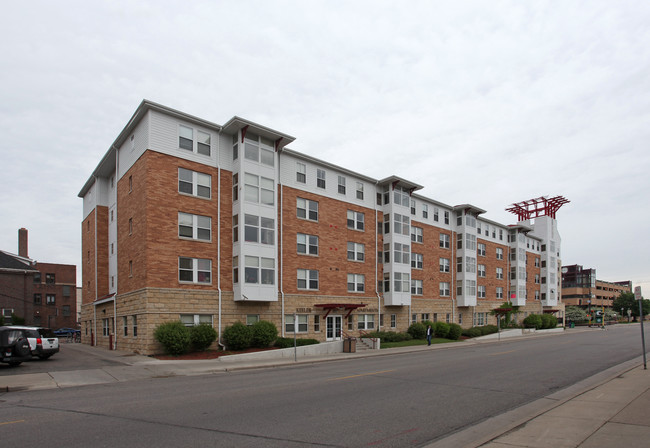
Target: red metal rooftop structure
{"points": [[541, 206]]}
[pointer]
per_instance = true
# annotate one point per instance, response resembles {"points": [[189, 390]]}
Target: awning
{"points": [[349, 307]]}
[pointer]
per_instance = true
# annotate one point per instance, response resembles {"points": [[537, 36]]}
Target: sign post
{"points": [[639, 298]]}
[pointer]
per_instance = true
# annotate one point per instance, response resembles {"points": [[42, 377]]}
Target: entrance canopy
{"points": [[349, 307]]}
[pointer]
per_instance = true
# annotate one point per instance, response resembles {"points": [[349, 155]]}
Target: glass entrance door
{"points": [[334, 328]]}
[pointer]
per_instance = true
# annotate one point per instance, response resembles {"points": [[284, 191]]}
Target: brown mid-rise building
{"points": [[185, 219]]}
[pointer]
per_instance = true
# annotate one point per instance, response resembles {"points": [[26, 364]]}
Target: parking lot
{"points": [[71, 356]]}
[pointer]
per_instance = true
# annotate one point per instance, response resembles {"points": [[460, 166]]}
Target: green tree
{"points": [[627, 301], [174, 336], [575, 314]]}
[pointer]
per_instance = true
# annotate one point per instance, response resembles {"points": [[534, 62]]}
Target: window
{"points": [[499, 292], [301, 172], [289, 323], [481, 292], [235, 228], [401, 224], [470, 286], [130, 226], [316, 323], [194, 226], [307, 279], [481, 270], [444, 289], [412, 206], [500, 273], [416, 287], [393, 320], [417, 261], [50, 279], [186, 140], [416, 234], [130, 268], [356, 282], [350, 323], [446, 217], [386, 282], [402, 282], [359, 190], [50, 299], [38, 299], [192, 320], [130, 184], [259, 270], [307, 244], [537, 279], [401, 253], [135, 325], [436, 214], [536, 262], [459, 264], [235, 187], [366, 322], [37, 277], [341, 184], [481, 249], [193, 183], [425, 211], [259, 149], [444, 241], [470, 241], [499, 253], [105, 327], [307, 209], [125, 326], [459, 241], [235, 147], [414, 318], [444, 265], [320, 178], [252, 319], [194, 270], [259, 229], [356, 252], [356, 220], [259, 189]]}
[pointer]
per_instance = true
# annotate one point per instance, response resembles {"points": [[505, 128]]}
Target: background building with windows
{"points": [[185, 219], [44, 294], [580, 287]]}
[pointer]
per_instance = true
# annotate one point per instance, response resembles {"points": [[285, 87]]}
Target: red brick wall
{"points": [[16, 292], [65, 281], [491, 264], [88, 258]]}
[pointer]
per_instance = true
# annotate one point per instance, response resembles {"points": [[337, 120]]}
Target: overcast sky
{"points": [[481, 102]]}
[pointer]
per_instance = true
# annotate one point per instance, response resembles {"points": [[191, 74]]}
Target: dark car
{"points": [[14, 346], [63, 332]]}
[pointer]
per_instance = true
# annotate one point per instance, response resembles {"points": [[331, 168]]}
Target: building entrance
{"points": [[334, 328]]}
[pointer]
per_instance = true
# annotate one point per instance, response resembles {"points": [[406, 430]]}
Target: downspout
{"points": [[117, 165], [280, 237], [219, 238], [95, 261], [452, 287]]}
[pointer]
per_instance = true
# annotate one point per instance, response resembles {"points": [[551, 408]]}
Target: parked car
{"points": [[64, 332], [42, 341], [14, 346]]}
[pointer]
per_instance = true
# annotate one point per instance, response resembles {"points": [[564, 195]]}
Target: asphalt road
{"points": [[386, 401]]}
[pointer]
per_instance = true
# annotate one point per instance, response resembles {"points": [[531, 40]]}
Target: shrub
{"points": [[441, 329], [473, 332], [202, 336], [288, 342], [549, 321], [533, 321], [238, 336], [488, 329], [390, 336], [174, 336], [417, 330], [264, 333], [455, 331]]}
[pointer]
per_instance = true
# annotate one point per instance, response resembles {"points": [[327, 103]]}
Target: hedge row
{"points": [[178, 339]]}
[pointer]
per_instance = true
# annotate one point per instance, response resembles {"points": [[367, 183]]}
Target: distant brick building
{"points": [[580, 287], [185, 219], [44, 294]]}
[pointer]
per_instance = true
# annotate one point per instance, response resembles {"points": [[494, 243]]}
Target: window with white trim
{"points": [[402, 282], [235, 228], [356, 220], [401, 224], [481, 249], [194, 183], [444, 289], [186, 140], [444, 240], [417, 261], [308, 279], [303, 323], [470, 264], [366, 322], [444, 265], [470, 287], [416, 234], [425, 211], [356, 282], [259, 149], [320, 178], [341, 187], [258, 189], [194, 270], [307, 209], [499, 253], [192, 320], [259, 229], [360, 190], [436, 214], [500, 273], [412, 206], [259, 270], [446, 217], [301, 172], [401, 196], [307, 244], [356, 251], [235, 187], [416, 287], [499, 292], [401, 253], [252, 319], [195, 227], [480, 292], [481, 270]]}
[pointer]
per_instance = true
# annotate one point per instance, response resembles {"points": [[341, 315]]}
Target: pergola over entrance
{"points": [[349, 307]]}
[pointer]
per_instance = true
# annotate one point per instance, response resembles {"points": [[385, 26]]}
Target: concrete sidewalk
{"points": [[610, 407]]}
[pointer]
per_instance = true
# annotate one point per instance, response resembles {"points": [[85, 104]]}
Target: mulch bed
{"points": [[209, 354]]}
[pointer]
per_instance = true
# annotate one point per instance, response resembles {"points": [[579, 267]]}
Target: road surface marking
{"points": [[503, 353], [11, 423], [362, 374]]}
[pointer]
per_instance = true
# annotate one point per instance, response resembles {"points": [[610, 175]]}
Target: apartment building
{"points": [[44, 294], [580, 287], [185, 219]]}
